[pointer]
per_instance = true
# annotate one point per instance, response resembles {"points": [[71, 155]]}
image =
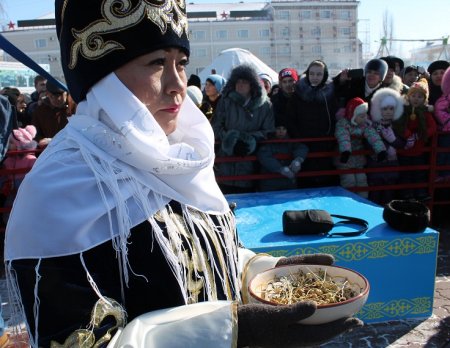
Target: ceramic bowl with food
{"points": [[339, 292]]}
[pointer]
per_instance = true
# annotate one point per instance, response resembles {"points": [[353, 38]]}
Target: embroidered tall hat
{"points": [[98, 36]]}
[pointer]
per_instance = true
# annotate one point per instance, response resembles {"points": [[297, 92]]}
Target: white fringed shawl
{"points": [[112, 168]]}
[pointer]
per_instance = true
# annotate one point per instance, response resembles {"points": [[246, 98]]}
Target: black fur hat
{"points": [[98, 36], [406, 215], [377, 65], [438, 64], [244, 72]]}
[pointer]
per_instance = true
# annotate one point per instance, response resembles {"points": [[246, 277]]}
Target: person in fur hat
{"points": [[351, 132], [442, 116], [348, 87], [213, 92], [310, 114], [387, 106], [416, 126], [242, 118], [392, 79], [436, 70], [20, 139]]}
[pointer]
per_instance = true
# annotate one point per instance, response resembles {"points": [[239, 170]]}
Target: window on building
{"points": [[344, 14], [284, 32], [242, 34], [305, 14], [221, 34], [264, 51], [345, 31], [347, 49], [325, 14], [283, 15], [264, 33], [315, 31], [200, 52], [316, 49], [337, 50], [199, 35], [285, 51], [40, 43]]}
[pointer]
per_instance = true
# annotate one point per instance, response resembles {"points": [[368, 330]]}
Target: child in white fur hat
{"points": [[386, 107]]}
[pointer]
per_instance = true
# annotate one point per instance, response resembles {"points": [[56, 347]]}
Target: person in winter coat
{"points": [[287, 78], [348, 87], [392, 79], [213, 92], [120, 235], [387, 106], [288, 168], [242, 118], [311, 114], [20, 139], [442, 117], [436, 70], [351, 132], [416, 126]]}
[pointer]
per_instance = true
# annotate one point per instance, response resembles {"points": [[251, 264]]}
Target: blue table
{"points": [[400, 267]]}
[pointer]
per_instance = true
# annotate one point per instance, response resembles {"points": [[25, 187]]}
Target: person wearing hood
{"points": [[348, 87], [392, 79], [242, 118], [310, 114], [387, 107], [213, 92], [436, 70]]}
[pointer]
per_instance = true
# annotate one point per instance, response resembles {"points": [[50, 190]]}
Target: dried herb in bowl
{"points": [[313, 286]]}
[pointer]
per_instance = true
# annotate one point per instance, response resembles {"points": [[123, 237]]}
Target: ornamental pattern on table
{"points": [[357, 251], [395, 309]]}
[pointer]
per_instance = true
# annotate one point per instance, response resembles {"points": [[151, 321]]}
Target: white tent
{"points": [[229, 58]]}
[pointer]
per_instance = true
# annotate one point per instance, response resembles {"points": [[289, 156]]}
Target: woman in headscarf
{"points": [[121, 218]]}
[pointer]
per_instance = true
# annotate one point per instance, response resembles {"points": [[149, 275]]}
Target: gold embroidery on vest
{"points": [[118, 15]]}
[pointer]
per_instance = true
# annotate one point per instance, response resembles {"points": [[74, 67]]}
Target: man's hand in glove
{"points": [[285, 171], [277, 326], [296, 165], [381, 156], [241, 148], [345, 156]]}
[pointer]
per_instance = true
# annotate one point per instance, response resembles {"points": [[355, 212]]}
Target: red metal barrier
{"points": [[431, 167]]}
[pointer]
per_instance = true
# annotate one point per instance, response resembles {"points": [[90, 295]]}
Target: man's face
{"points": [[287, 85], [410, 77], [389, 76], [41, 86], [243, 87], [57, 100]]}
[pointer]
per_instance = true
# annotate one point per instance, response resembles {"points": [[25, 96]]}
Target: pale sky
{"points": [[412, 19]]}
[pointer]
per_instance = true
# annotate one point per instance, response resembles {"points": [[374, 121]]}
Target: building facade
{"points": [[281, 33]]}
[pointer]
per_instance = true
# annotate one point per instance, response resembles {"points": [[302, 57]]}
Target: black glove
{"points": [[312, 259], [345, 156], [277, 326], [241, 148], [382, 156]]}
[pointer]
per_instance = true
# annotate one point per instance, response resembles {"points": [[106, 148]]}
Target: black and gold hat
{"points": [[98, 36]]}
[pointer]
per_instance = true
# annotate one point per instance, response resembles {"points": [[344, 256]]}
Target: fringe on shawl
{"points": [[222, 233]]}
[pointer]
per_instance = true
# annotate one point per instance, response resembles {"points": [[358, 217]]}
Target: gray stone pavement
{"points": [[433, 332]]}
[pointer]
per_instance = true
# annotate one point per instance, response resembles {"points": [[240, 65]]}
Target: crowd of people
{"points": [[387, 107]]}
